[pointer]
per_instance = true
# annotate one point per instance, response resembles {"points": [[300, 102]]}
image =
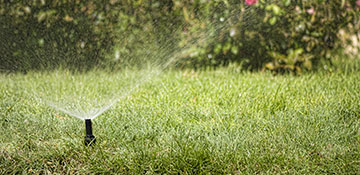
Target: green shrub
{"points": [[279, 35], [49, 34]]}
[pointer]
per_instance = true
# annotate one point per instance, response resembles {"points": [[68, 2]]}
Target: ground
{"points": [[192, 122]]}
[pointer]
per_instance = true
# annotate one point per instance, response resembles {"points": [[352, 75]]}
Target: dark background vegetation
{"points": [[280, 35]]}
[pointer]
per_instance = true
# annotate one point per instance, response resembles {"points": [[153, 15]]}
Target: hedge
{"points": [[280, 35]]}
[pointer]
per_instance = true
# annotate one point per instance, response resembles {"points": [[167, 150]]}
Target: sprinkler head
{"points": [[89, 138]]}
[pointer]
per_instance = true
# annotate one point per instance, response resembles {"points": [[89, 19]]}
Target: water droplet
{"points": [[82, 45], [300, 28], [232, 32], [193, 54], [117, 55], [41, 42]]}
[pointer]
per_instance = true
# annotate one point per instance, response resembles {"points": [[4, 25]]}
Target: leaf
{"points": [[286, 2], [343, 3], [27, 9], [272, 20], [186, 14], [234, 50], [45, 14], [299, 51], [41, 16], [270, 66], [226, 47], [276, 55], [217, 48], [308, 64], [276, 9], [68, 18]]}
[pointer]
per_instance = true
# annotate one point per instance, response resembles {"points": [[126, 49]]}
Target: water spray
{"points": [[89, 138]]}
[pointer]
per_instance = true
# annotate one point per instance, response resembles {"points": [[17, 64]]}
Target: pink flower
{"points": [[310, 11], [358, 3], [251, 2]]}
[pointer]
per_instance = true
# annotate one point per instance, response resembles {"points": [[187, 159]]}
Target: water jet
{"points": [[89, 137]]}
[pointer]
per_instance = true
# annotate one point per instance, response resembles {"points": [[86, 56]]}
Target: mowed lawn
{"points": [[216, 122]]}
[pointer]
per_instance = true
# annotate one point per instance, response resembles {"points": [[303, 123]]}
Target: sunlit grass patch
{"points": [[191, 122]]}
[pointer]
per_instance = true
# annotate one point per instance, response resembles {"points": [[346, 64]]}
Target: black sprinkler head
{"points": [[89, 138]]}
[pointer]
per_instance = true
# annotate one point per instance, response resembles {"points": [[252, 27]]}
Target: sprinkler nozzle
{"points": [[89, 138]]}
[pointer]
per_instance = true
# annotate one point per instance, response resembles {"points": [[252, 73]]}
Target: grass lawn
{"points": [[218, 122]]}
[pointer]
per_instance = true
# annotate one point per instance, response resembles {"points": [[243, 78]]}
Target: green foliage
{"points": [[282, 35], [279, 35], [48, 34]]}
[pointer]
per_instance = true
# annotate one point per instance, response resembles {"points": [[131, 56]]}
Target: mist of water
{"points": [[88, 95]]}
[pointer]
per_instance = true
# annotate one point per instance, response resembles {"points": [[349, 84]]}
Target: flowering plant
{"points": [[250, 2], [283, 35]]}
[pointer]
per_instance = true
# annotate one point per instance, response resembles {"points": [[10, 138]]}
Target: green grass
{"points": [[218, 122]]}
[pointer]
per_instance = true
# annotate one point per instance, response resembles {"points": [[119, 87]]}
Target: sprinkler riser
{"points": [[89, 138]]}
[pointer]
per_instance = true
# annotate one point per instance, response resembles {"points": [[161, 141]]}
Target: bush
{"points": [[50, 34], [280, 35]]}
